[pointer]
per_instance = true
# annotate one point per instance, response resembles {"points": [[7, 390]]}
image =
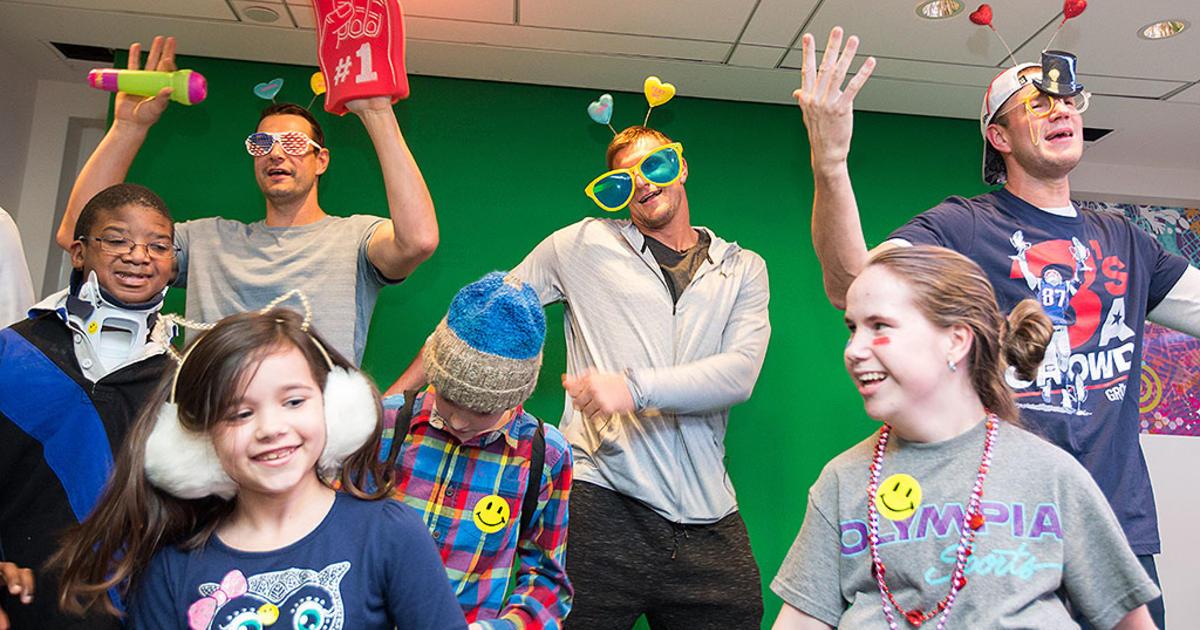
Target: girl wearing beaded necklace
{"points": [[951, 507]]}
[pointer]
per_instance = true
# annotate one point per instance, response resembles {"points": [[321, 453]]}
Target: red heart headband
{"points": [[983, 17]]}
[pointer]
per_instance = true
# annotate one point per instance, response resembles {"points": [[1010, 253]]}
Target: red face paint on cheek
{"points": [[881, 341]]}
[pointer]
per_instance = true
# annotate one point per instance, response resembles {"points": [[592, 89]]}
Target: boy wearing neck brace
{"points": [[74, 373]]}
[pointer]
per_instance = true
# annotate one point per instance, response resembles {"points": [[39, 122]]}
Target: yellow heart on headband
{"points": [[657, 92]]}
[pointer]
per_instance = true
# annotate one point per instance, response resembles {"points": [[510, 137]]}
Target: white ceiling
{"points": [[1147, 91]]}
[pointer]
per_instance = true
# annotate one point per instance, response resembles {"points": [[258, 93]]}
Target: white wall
{"points": [[55, 104], [16, 116], [1136, 184], [1172, 462]]}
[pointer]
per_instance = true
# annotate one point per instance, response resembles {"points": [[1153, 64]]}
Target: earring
{"points": [[952, 364]]}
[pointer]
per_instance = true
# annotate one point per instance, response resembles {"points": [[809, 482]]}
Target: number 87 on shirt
{"points": [[360, 46]]}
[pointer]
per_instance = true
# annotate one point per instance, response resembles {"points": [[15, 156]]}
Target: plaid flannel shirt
{"points": [[455, 485]]}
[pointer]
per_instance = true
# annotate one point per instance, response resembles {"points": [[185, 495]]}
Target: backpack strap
{"points": [[537, 462], [403, 418]]}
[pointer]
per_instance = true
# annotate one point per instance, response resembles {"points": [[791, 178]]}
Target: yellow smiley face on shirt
{"points": [[898, 497], [490, 514]]}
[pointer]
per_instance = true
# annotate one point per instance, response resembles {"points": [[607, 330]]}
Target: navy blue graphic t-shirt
{"points": [[1096, 276], [369, 565]]}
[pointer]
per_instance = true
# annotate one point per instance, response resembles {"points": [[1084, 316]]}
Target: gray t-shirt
{"points": [[1047, 527], [229, 267]]}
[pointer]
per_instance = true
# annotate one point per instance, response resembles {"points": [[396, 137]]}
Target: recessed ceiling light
{"points": [[1163, 29], [939, 9], [265, 15]]}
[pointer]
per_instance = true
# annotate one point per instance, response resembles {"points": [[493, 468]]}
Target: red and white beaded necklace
{"points": [[972, 521]]}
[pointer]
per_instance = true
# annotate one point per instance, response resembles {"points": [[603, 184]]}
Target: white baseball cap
{"points": [[1000, 90]]}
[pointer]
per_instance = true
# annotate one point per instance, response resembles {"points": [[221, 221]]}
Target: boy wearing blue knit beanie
{"points": [[469, 452]]}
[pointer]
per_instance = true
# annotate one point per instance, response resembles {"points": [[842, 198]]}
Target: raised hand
{"points": [[144, 111], [1018, 241], [828, 109]]}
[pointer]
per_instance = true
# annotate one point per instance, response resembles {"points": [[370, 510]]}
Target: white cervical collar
{"points": [[114, 329]]}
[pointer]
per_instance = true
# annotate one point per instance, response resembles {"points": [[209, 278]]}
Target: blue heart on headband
{"points": [[600, 110], [268, 90]]}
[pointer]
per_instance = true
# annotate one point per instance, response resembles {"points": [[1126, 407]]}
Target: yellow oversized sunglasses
{"points": [[614, 189]]}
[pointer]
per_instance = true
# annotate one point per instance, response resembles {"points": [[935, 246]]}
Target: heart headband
{"points": [[268, 89], [983, 17], [657, 93]]}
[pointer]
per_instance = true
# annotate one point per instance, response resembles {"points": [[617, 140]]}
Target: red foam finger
{"points": [[360, 47]]}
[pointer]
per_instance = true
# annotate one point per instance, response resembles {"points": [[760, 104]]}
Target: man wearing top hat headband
{"points": [[1022, 235]]}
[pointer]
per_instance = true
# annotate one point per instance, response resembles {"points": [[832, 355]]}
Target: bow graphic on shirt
{"points": [[201, 612]]}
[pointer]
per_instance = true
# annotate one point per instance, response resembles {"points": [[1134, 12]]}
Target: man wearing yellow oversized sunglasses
{"points": [[659, 347], [666, 329], [661, 166]]}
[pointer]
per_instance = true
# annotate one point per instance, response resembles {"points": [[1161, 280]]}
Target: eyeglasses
{"points": [[614, 189], [260, 143], [1040, 104], [161, 250]]}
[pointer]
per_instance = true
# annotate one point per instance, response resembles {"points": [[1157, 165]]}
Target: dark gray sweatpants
{"points": [[625, 560]]}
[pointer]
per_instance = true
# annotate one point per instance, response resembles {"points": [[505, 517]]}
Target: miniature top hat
{"points": [[1058, 74]]}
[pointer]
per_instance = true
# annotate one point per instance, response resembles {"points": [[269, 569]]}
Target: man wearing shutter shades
{"points": [[341, 262]]}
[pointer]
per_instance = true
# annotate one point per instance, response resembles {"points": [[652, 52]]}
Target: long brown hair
{"points": [[950, 289], [134, 519]]}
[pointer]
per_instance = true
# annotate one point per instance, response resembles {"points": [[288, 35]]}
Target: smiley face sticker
{"points": [[490, 514], [898, 497]]}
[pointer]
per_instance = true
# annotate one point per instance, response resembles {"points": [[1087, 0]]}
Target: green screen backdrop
{"points": [[506, 165]]}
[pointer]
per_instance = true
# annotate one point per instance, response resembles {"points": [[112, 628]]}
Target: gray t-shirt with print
{"points": [[229, 267], [1047, 527]]}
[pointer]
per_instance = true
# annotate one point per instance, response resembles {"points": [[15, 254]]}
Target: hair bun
{"points": [[1027, 332]]}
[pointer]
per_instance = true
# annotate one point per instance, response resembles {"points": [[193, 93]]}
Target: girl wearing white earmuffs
{"points": [[222, 512]]}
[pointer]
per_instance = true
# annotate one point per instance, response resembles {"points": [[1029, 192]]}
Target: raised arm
{"points": [[397, 246], [1018, 241], [412, 378], [132, 118], [829, 118]]}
